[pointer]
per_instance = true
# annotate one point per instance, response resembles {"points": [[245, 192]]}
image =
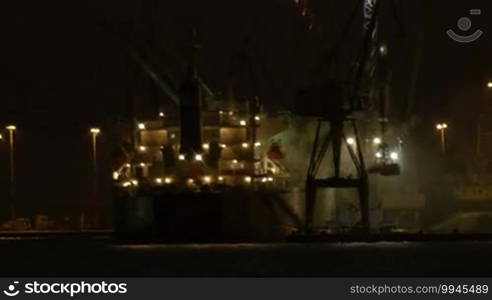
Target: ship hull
{"points": [[232, 215]]}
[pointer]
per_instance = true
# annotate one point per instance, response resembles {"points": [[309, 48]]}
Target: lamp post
{"points": [[442, 129], [95, 132], [11, 129]]}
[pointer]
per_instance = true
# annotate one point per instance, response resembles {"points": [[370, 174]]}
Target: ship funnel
{"points": [[191, 105]]}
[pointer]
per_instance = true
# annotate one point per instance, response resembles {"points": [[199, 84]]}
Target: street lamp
{"points": [[11, 129], [442, 129], [95, 132]]}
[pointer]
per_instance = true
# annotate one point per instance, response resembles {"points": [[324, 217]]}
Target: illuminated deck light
{"points": [[242, 123], [11, 127], [116, 175], [220, 178], [234, 161], [158, 180], [205, 146], [95, 130], [245, 145], [168, 180], [247, 179], [270, 179], [181, 157], [394, 155], [376, 141], [257, 118], [142, 148], [257, 144], [223, 146], [134, 182], [127, 184], [351, 141], [141, 126], [198, 157], [142, 165], [379, 155], [162, 115], [207, 179]]}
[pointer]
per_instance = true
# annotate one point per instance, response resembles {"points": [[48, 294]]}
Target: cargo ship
{"points": [[204, 171]]}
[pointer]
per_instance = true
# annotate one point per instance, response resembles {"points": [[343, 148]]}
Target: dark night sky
{"points": [[59, 73]]}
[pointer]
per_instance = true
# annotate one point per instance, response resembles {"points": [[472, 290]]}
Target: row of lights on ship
{"points": [[191, 181], [141, 126], [376, 141], [206, 147]]}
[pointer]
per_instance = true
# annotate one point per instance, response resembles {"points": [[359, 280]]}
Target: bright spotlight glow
{"points": [[247, 179], [257, 118], [257, 144], [11, 127], [245, 145], [489, 84], [142, 165], [161, 114], [242, 123], [234, 161], [223, 146], [376, 141], [142, 148], [441, 126], [220, 178], [116, 175], [379, 155], [181, 157], [158, 180], [135, 182], [207, 179], [205, 146], [168, 180], [127, 184], [270, 179], [141, 126], [351, 141], [394, 155], [198, 157], [95, 130]]}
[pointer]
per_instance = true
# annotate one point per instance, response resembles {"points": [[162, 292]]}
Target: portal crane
{"points": [[367, 96]]}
